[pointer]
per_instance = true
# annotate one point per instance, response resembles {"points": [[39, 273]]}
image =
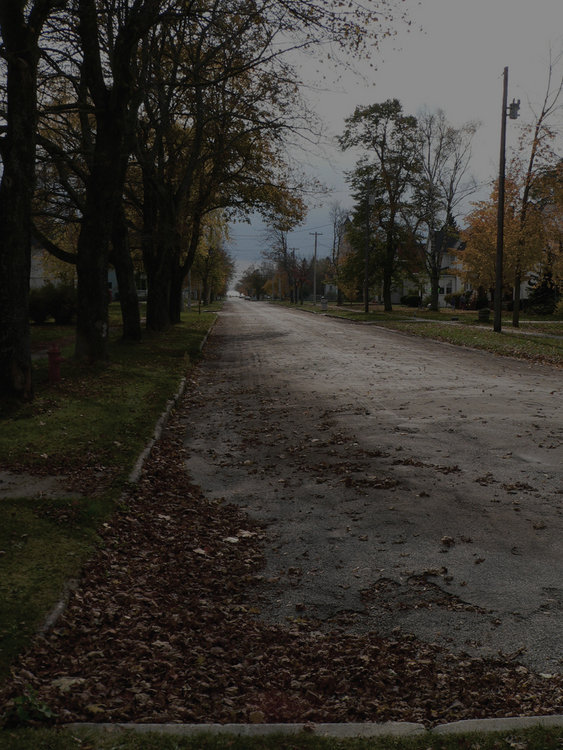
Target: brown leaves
{"points": [[164, 627]]}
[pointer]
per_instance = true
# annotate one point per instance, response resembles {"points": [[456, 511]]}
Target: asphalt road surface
{"points": [[403, 483]]}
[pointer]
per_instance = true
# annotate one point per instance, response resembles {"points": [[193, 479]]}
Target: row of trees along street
{"points": [[410, 183], [127, 124]]}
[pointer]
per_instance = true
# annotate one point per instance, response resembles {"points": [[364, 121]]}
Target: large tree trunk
{"points": [[205, 290], [16, 194], [93, 297], [176, 303], [157, 255], [125, 272], [516, 307], [158, 300], [388, 271], [103, 194], [435, 266], [435, 289]]}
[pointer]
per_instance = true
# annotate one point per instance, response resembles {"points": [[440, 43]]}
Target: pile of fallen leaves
{"points": [[164, 627]]}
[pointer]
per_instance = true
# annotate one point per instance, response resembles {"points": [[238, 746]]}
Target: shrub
{"points": [[50, 301], [478, 299], [524, 305], [39, 307], [411, 300], [64, 304], [544, 294], [458, 300]]}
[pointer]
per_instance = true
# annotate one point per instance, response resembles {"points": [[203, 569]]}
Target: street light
{"points": [[512, 111]]}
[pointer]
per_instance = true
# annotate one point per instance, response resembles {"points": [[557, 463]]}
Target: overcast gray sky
{"points": [[455, 63]]}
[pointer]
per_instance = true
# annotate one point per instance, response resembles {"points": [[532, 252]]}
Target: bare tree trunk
{"points": [[158, 300], [176, 293], [21, 53], [516, 307], [103, 193], [125, 272], [388, 271], [16, 191]]}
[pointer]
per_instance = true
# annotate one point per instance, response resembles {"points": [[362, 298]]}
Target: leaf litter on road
{"points": [[164, 627]]}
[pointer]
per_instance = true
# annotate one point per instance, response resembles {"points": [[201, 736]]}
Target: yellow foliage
{"points": [[524, 239]]}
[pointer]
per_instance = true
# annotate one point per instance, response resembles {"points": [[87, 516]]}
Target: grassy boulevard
{"points": [[87, 431], [538, 339]]}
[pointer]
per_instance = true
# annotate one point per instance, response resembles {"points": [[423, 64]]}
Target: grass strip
{"points": [[87, 430], [536, 738], [538, 341], [545, 350]]}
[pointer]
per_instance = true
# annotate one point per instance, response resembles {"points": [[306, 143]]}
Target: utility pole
{"points": [[513, 111], [366, 255], [315, 234], [294, 272]]}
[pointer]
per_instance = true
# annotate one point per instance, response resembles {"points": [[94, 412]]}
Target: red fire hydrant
{"points": [[55, 359]]}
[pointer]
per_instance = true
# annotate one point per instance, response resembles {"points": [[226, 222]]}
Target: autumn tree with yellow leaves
{"points": [[530, 220], [523, 246]]}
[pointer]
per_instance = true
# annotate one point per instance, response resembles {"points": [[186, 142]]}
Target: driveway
{"points": [[406, 486]]}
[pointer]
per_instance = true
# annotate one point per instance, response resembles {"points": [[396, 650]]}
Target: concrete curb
{"points": [[499, 725], [159, 426], [133, 478], [340, 731], [163, 419], [388, 729]]}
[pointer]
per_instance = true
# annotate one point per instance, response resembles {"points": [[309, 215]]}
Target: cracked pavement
{"points": [[405, 485]]}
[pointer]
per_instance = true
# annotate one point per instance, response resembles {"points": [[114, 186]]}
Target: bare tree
{"points": [[441, 186], [339, 218], [538, 138], [21, 24]]}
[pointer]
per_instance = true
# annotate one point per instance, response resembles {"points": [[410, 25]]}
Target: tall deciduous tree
{"points": [[207, 141], [339, 219], [529, 163], [213, 268], [254, 280], [548, 194], [440, 187], [21, 23], [276, 238], [110, 38], [384, 176], [479, 236]]}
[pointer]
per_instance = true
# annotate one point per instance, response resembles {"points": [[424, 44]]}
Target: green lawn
{"points": [[89, 428], [537, 339], [67, 739]]}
